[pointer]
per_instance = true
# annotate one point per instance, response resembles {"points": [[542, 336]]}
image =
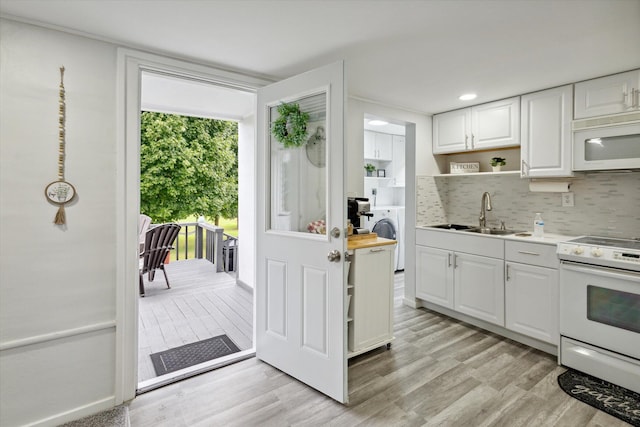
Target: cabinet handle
{"points": [[466, 138], [636, 102], [529, 253], [377, 250], [472, 140], [455, 264], [508, 277], [449, 259]]}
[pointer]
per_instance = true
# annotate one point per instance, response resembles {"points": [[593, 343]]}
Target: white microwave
{"points": [[607, 147]]}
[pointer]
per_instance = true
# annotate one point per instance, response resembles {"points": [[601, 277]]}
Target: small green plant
{"points": [[369, 167], [498, 161]]}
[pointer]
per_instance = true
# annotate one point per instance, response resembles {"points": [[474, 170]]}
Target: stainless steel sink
{"points": [[495, 231], [454, 227]]}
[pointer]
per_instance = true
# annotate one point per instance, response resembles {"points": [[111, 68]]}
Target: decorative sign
{"points": [[60, 192]]}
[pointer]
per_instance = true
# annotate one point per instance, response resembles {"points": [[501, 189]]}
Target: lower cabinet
{"points": [[515, 287], [479, 287], [370, 287], [470, 284], [531, 291]]}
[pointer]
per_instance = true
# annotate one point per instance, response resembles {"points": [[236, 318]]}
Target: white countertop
{"points": [[548, 239]]}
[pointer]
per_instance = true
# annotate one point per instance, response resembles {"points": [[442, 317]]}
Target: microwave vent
{"points": [[606, 121]]}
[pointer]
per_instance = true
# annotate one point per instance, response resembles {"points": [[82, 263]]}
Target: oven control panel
{"points": [[607, 256]]}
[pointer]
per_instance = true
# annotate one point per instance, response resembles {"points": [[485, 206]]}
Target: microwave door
{"points": [[613, 147]]}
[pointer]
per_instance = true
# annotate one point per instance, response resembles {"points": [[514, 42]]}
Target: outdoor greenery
{"points": [[188, 167]]}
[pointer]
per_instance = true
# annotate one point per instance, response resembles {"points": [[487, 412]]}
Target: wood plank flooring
{"points": [[200, 304], [439, 372]]}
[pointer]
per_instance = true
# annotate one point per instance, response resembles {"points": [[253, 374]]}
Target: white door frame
{"points": [[130, 65]]}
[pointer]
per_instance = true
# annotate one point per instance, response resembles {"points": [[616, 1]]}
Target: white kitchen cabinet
{"points": [[434, 275], [479, 287], [378, 146], [619, 93], [398, 167], [468, 282], [546, 133], [531, 290], [371, 289], [482, 127]]}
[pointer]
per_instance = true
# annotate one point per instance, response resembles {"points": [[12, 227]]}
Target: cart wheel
{"points": [[388, 346]]}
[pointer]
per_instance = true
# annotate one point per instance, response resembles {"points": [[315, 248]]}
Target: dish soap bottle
{"points": [[538, 226]]}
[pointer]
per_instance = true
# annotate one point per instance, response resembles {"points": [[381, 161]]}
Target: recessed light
{"points": [[468, 97], [378, 122]]}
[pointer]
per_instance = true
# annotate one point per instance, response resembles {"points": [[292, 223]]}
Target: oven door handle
{"points": [[614, 273]]}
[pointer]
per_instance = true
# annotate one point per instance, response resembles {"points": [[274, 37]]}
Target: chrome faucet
{"points": [[485, 204]]}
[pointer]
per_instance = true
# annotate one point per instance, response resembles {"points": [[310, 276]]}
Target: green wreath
{"points": [[291, 127]]}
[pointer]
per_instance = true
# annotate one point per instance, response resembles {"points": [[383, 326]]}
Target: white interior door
{"points": [[300, 294]]}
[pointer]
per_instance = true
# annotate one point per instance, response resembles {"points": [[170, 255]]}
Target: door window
{"points": [[299, 174]]}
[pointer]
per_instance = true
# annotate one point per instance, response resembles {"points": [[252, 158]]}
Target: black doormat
{"points": [[610, 398], [187, 355]]}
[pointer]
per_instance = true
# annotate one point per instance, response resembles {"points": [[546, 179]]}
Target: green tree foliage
{"points": [[188, 166]]}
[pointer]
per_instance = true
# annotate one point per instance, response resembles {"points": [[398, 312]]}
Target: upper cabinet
{"points": [[377, 146], [619, 93], [546, 133], [483, 127]]}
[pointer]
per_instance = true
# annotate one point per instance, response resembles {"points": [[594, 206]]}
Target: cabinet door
{"points": [[398, 165], [369, 144], [496, 124], [479, 287], [372, 299], [607, 95], [546, 133], [384, 146], [451, 131], [531, 295], [434, 275]]}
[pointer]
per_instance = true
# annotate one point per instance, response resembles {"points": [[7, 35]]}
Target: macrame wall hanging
{"points": [[60, 192]]}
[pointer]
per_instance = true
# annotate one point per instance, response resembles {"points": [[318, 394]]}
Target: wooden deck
{"points": [[200, 304]]}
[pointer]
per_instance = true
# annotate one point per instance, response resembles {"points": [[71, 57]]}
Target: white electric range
{"points": [[600, 308]]}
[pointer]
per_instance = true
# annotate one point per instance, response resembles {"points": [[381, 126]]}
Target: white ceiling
{"points": [[419, 55]]}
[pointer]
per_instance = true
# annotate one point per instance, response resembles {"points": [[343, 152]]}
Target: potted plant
{"points": [[497, 163], [370, 169]]}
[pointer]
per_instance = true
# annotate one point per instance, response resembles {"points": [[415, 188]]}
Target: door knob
{"points": [[334, 256]]}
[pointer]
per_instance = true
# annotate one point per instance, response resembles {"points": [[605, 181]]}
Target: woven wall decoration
{"points": [[61, 192]]}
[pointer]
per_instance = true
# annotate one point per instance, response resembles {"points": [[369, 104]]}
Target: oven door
{"points": [[601, 306], [609, 147]]}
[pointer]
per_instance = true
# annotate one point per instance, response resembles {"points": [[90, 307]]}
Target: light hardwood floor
{"points": [[439, 372], [200, 304]]}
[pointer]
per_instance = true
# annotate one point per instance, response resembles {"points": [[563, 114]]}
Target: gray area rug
{"points": [[610, 398], [187, 355], [114, 417]]}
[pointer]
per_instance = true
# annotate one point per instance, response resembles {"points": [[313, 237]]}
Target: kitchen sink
{"points": [[454, 227], [494, 231]]}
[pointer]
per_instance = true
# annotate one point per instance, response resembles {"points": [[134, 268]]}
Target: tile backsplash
{"points": [[606, 204]]}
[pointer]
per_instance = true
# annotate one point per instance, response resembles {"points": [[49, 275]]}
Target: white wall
{"points": [[57, 284], [419, 162]]}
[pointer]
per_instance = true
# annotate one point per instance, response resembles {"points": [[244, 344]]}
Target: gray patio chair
{"points": [[157, 244]]}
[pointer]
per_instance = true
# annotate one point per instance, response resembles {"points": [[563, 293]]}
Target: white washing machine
{"points": [[384, 222]]}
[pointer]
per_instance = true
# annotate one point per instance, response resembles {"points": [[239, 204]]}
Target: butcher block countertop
{"points": [[360, 241]]}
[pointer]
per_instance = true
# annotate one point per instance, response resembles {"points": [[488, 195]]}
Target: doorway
{"points": [[384, 148], [209, 307]]}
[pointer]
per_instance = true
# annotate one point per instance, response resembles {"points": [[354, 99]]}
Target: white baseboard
{"points": [[413, 303], [244, 286], [76, 413]]}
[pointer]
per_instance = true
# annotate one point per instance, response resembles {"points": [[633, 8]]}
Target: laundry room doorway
{"points": [[384, 181]]}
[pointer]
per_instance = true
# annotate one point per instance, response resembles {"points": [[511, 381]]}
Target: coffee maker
{"points": [[358, 207]]}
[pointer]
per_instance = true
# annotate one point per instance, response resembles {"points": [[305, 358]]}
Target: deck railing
{"points": [[208, 243]]}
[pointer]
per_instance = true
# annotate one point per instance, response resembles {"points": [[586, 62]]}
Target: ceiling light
{"points": [[467, 97], [378, 122]]}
